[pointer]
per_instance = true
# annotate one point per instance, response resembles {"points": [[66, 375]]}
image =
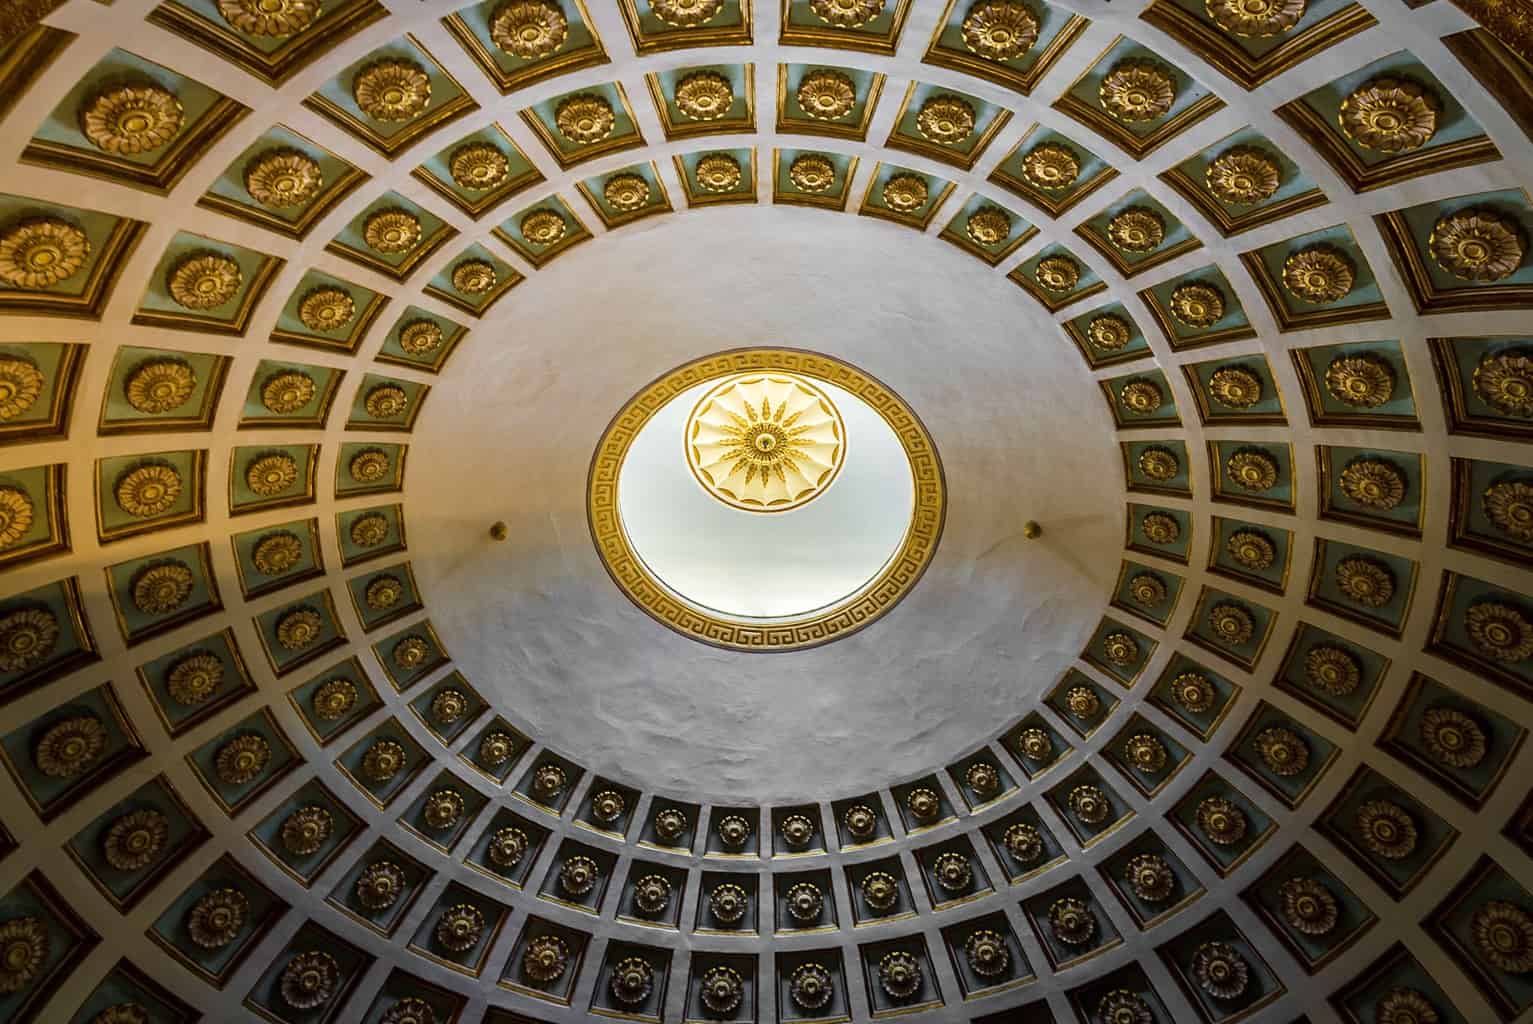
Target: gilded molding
{"points": [[823, 169], [681, 35], [274, 67], [191, 320], [26, 52], [953, 153], [657, 202], [1230, 58], [1054, 202], [611, 143], [903, 571], [1362, 176], [686, 126], [389, 146], [1114, 130], [857, 131], [742, 191], [972, 63], [823, 33], [1273, 291], [175, 157], [477, 204], [919, 221], [1407, 253], [1105, 246], [530, 71]]}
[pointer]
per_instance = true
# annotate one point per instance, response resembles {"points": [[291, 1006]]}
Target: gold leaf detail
{"points": [[1242, 175], [392, 90], [1390, 115], [162, 587], [847, 13], [1000, 30], [529, 29], [392, 231], [826, 95], [326, 309], [40, 252], [585, 118], [1135, 91], [704, 96], [946, 119], [127, 120], [283, 178], [204, 280], [1320, 274], [271, 474], [811, 172], [160, 385]]}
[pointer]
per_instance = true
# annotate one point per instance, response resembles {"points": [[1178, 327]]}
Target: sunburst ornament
{"points": [[765, 442]]}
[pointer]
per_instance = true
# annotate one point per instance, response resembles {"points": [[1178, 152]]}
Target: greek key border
{"points": [[644, 590]]}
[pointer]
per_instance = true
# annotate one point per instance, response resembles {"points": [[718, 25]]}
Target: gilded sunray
{"points": [[766, 443]]}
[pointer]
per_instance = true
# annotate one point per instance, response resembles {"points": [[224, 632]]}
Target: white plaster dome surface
{"points": [[758, 564], [537, 621]]}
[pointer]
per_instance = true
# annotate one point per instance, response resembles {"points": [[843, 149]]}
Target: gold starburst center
{"points": [[765, 442]]}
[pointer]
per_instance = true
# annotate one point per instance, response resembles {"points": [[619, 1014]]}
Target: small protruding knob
{"points": [[1031, 530], [498, 530]]}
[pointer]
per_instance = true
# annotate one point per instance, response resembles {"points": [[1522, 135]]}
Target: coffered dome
{"points": [[712, 510]]}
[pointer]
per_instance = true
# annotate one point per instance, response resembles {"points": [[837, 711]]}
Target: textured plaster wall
{"points": [[1023, 434]]}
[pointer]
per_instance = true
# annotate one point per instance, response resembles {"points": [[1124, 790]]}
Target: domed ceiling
{"points": [[1197, 692]]}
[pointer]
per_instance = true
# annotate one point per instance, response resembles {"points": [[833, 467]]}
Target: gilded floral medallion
{"points": [[946, 120], [1135, 91], [988, 225], [585, 118], [765, 443], [271, 474], [1390, 115], [529, 29], [1256, 18], [1000, 30], [478, 166], [905, 193], [1108, 332], [847, 13], [421, 337], [544, 227], [826, 95], [40, 252], [204, 280], [392, 90], [1057, 273], [160, 385], [132, 119], [626, 192], [1197, 304], [704, 96], [812, 172], [1243, 174], [283, 178], [471, 277], [719, 172], [269, 19], [686, 13]]}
